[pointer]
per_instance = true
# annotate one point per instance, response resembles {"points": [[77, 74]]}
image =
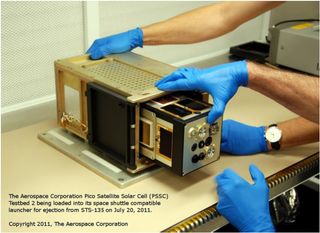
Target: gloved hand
{"points": [[221, 82], [119, 43], [241, 139], [244, 205]]}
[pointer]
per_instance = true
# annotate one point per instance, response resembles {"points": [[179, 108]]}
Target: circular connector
{"points": [[192, 132], [194, 146], [195, 158], [202, 131], [210, 151], [208, 141], [202, 156], [201, 144]]}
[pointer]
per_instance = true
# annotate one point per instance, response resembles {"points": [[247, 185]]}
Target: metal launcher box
{"points": [[112, 105]]}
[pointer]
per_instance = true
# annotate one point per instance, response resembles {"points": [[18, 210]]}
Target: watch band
{"points": [[275, 145]]}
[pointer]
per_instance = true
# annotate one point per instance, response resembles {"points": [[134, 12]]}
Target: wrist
{"points": [[273, 137], [137, 38], [268, 143], [154, 34], [259, 223], [258, 75], [263, 143], [242, 73], [265, 227], [252, 71]]}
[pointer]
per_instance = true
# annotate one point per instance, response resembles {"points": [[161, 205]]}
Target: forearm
{"points": [[298, 131], [297, 92], [204, 23]]}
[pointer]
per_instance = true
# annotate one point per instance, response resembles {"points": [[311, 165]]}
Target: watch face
{"points": [[273, 134]]}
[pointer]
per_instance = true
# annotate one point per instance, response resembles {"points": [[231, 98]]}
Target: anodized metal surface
{"points": [[128, 74], [188, 165]]}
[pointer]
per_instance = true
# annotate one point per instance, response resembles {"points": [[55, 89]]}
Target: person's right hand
{"points": [[119, 43], [241, 139], [221, 81]]}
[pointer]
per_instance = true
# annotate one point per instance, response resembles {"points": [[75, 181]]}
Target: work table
{"points": [[30, 166]]}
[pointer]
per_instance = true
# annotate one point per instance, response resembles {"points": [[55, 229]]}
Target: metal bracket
{"points": [[80, 151]]}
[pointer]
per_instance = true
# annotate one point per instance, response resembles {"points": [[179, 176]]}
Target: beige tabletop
{"points": [[30, 166]]}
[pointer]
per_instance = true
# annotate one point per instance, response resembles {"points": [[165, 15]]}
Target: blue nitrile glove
{"points": [[119, 43], [244, 205], [241, 139], [220, 81]]}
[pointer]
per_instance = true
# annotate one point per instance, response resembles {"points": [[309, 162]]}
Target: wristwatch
{"points": [[273, 135]]}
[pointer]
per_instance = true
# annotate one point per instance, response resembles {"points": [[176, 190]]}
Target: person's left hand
{"points": [[241, 139], [222, 82], [244, 205], [118, 43]]}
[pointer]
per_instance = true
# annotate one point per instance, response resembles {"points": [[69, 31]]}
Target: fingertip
{"points": [[211, 117], [224, 147], [95, 55], [256, 173], [226, 173], [157, 83], [159, 86], [92, 57], [253, 168], [219, 207], [164, 86], [226, 176], [89, 50], [218, 179], [164, 79], [225, 131], [221, 175]]}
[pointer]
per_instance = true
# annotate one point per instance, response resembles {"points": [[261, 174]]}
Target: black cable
{"points": [[289, 21], [294, 20], [267, 39]]}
